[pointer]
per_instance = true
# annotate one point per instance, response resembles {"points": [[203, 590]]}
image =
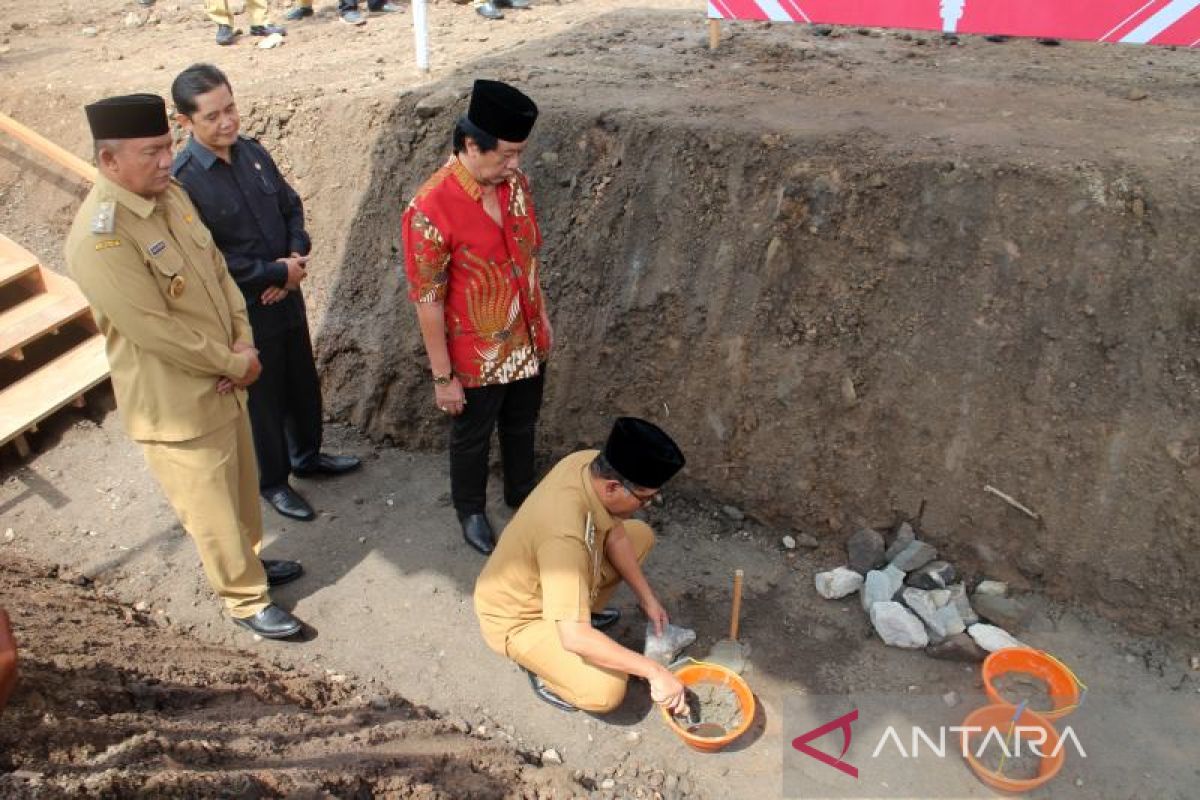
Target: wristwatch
{"points": [[443, 380]]}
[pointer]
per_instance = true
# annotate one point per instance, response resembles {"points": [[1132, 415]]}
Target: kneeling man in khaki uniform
{"points": [[180, 349], [541, 597]]}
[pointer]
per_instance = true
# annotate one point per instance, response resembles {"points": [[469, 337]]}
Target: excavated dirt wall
{"points": [[842, 331]]}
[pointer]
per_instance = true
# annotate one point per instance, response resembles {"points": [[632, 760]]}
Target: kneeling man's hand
{"points": [[668, 691], [655, 612]]}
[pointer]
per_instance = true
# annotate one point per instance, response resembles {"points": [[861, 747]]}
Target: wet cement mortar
{"points": [[714, 705]]}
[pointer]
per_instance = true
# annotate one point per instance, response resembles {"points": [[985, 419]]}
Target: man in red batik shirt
{"points": [[471, 243]]}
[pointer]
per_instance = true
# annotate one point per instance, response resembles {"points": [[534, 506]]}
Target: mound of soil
{"points": [[846, 304], [114, 703]]}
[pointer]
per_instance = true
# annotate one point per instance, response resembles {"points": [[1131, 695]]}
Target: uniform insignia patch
{"points": [[105, 218], [187, 218], [176, 286], [157, 248], [107, 243]]}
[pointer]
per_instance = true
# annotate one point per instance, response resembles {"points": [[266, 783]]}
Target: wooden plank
{"points": [[47, 148], [15, 261], [38, 316], [42, 392]]}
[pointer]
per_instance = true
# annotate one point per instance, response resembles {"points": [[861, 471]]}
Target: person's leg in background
{"points": [[470, 446], [301, 10], [516, 427]]}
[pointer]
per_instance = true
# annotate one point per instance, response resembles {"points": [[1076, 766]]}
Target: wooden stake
{"points": [[22, 445], [1012, 502], [714, 34], [738, 575]]}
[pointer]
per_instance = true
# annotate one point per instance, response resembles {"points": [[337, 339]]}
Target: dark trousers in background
{"points": [[285, 407], [511, 409]]}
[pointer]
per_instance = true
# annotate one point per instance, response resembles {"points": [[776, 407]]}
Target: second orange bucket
{"points": [[998, 721]]}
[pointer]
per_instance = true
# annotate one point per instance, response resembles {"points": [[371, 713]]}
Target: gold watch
{"points": [[443, 380]]}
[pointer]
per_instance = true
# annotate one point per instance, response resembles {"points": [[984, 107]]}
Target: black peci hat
{"points": [[642, 452], [503, 111], [130, 116]]}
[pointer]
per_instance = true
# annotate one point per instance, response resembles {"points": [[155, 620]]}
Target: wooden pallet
{"points": [[36, 304]]}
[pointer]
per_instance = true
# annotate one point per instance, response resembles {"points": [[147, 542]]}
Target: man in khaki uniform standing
{"points": [[180, 350], [541, 597]]}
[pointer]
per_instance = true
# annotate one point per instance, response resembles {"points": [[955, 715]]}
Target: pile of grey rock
{"points": [[915, 600]]}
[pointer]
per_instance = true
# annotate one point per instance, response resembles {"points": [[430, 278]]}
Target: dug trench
{"points": [[841, 329]]}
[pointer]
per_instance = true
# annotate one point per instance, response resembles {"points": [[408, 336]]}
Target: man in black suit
{"points": [[257, 220]]}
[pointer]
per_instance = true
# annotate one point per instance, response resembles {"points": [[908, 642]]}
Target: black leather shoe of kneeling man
{"points": [[605, 618], [477, 532], [545, 694], [281, 572], [329, 464], [286, 501], [271, 623]]}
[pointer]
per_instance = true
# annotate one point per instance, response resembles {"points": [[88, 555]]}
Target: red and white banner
{"points": [[1165, 22]]}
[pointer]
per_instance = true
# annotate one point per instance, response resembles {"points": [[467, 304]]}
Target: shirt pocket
{"points": [[168, 267], [201, 235], [266, 184]]}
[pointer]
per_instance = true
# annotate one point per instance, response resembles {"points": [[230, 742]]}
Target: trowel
{"points": [[731, 653]]}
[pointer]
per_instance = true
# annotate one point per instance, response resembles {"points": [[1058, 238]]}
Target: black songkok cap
{"points": [[642, 452], [130, 116], [503, 111]]}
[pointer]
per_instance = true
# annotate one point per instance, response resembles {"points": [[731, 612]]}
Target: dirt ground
{"points": [[856, 274], [135, 706], [387, 594]]}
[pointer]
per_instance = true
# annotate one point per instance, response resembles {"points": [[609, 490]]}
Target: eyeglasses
{"points": [[643, 499]]}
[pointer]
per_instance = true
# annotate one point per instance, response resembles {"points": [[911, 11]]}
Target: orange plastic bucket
{"points": [[1064, 689], [1000, 719], [695, 672]]}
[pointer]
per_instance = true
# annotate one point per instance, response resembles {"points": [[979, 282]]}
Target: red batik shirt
{"points": [[485, 274]]}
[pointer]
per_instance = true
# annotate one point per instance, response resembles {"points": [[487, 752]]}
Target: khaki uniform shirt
{"points": [[546, 565], [168, 309]]}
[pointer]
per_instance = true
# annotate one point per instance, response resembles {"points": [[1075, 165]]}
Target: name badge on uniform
{"points": [[156, 248], [176, 286], [105, 218]]}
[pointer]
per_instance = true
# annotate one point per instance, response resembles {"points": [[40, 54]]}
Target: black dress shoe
{"points": [[271, 623], [285, 500], [605, 618], [225, 35], [327, 464], [281, 572], [478, 533], [545, 695], [512, 4]]}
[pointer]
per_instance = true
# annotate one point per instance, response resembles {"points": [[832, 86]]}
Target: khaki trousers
{"points": [[212, 483], [536, 646], [218, 11]]}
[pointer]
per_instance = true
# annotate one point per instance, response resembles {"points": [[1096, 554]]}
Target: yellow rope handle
{"points": [[1074, 677]]}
